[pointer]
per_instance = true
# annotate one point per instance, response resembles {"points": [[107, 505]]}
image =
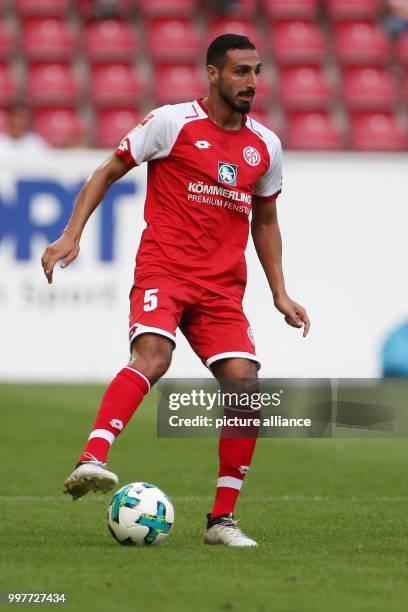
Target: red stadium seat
{"points": [[164, 8], [305, 88], [115, 85], [113, 125], [297, 42], [343, 10], [402, 49], [48, 39], [369, 88], [291, 9], [60, 127], [8, 86], [313, 131], [377, 132], [110, 40], [242, 27], [173, 41], [52, 84], [178, 84], [7, 41], [49, 8], [361, 43]]}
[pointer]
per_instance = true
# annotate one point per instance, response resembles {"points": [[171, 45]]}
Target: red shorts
{"points": [[215, 326]]}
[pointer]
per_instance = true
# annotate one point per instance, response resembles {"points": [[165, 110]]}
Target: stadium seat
{"points": [[305, 88], [113, 125], [174, 84], [377, 132], [291, 9], [52, 84], [115, 85], [343, 10], [8, 86], [110, 40], [60, 127], [163, 8], [7, 41], [173, 41], [297, 42], [369, 88], [48, 39], [49, 8], [361, 43], [236, 26], [313, 131], [402, 49]]}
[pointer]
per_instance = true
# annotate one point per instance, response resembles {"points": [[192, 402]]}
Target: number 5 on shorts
{"points": [[150, 300]]}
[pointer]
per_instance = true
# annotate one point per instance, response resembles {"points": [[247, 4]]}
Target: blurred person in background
{"points": [[19, 136], [223, 7], [397, 20]]}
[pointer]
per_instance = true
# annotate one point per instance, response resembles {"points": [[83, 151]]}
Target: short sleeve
{"points": [[152, 139], [270, 183]]}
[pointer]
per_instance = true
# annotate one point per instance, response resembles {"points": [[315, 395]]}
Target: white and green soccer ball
{"points": [[140, 514]]}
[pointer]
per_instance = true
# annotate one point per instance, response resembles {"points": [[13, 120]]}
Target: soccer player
{"points": [[211, 167]]}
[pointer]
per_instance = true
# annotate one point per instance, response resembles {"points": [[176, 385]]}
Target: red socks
{"points": [[235, 455], [121, 399]]}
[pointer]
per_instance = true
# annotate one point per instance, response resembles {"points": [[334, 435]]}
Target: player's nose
{"points": [[252, 81]]}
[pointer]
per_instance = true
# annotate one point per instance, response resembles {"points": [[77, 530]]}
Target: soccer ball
{"points": [[140, 514]]}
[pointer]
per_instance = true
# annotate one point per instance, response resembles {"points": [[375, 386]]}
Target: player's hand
{"points": [[295, 314], [65, 248]]}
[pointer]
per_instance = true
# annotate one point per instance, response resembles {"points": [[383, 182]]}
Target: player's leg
{"points": [[150, 359], [154, 316], [235, 450], [219, 333]]}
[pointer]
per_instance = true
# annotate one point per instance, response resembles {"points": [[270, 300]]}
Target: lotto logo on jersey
{"points": [[145, 121], [227, 173], [124, 145]]}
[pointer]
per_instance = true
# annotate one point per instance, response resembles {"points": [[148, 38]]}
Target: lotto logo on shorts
{"points": [[227, 173], [251, 335]]}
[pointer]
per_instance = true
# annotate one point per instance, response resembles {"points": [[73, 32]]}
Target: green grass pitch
{"points": [[330, 517]]}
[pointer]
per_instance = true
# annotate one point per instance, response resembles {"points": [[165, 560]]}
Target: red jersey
{"points": [[200, 183]]}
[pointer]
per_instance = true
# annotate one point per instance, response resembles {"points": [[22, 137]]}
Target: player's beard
{"points": [[239, 106]]}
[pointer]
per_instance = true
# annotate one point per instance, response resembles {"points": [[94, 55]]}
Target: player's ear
{"points": [[212, 73]]}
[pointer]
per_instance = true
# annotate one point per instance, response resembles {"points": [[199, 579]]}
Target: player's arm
{"points": [[268, 244], [66, 248]]}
